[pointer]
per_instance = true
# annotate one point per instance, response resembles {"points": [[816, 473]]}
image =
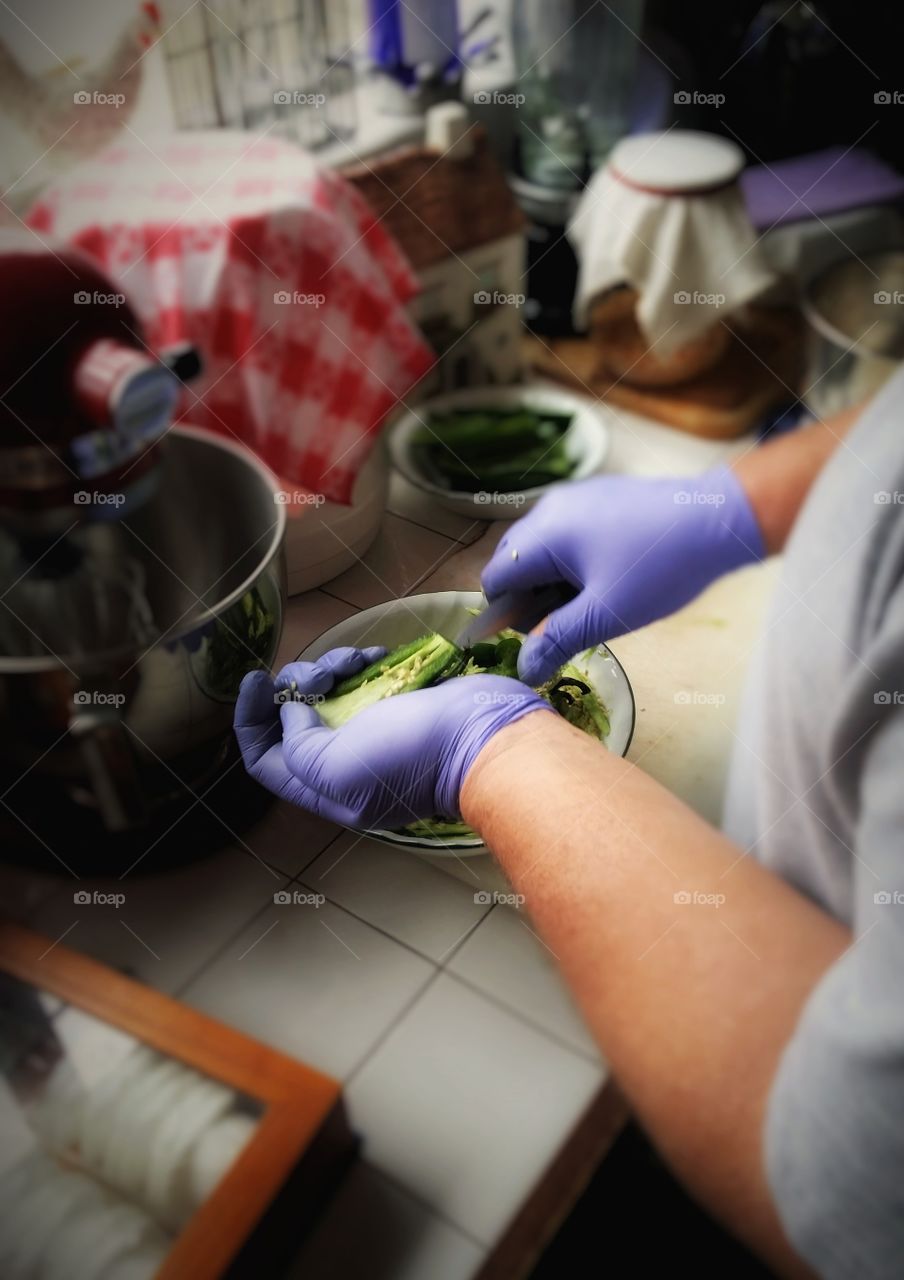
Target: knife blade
{"points": [[520, 610]]}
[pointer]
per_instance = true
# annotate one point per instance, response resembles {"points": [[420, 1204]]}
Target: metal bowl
{"points": [[124, 731], [856, 329]]}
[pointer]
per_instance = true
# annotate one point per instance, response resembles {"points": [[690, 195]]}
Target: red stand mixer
{"points": [[84, 408], [140, 577]]}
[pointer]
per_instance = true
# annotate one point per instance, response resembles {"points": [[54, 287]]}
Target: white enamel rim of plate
{"points": [[397, 621], [587, 441]]}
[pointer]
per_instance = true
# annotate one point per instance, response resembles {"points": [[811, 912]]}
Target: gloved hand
{"points": [[402, 759], [636, 549]]}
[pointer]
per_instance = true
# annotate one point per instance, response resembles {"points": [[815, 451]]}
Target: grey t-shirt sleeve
{"points": [[835, 1118]]}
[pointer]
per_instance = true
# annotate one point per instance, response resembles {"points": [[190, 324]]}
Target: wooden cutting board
{"points": [[762, 368]]}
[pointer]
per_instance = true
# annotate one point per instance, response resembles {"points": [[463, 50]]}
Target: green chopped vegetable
{"points": [[506, 663], [483, 655], [431, 659], [493, 449], [576, 702], [411, 666], [444, 828]]}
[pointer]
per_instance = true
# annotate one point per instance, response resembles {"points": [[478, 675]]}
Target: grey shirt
{"points": [[816, 791]]}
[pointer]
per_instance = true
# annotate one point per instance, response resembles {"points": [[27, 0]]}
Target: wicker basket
{"points": [[435, 206]]}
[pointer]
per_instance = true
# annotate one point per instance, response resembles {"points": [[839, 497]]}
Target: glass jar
{"points": [[575, 61]]}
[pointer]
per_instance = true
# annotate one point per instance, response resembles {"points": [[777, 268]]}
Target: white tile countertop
{"points": [[468, 1073]]}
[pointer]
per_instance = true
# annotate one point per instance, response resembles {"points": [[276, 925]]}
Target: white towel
{"points": [[692, 259]]}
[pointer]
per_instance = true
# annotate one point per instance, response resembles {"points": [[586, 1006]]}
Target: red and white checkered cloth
{"points": [[275, 269]]}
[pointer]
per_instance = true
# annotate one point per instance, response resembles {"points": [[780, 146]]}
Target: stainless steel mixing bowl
{"points": [[125, 730], [855, 312]]}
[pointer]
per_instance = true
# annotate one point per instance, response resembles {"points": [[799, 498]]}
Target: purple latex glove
{"points": [[404, 758], [636, 549]]}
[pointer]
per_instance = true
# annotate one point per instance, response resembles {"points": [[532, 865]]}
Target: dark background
{"points": [[807, 80]]}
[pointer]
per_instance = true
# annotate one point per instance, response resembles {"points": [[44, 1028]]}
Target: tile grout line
{"points": [[437, 964], [234, 936], [457, 946], [535, 1026], [441, 533], [293, 876], [342, 600], [441, 967], [453, 548], [395, 1021], [408, 520], [440, 564], [220, 950], [287, 880], [439, 971], [400, 1187], [380, 1042]]}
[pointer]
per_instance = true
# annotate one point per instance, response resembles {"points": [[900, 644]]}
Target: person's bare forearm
{"points": [[690, 1001], [777, 476]]}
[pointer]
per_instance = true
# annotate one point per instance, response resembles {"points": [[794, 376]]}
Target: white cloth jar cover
{"points": [[666, 216]]}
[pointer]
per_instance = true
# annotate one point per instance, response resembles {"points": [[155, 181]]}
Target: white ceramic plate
{"points": [[398, 621], [586, 441]]}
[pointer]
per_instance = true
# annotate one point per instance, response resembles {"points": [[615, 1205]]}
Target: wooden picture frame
{"points": [[277, 1186]]}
